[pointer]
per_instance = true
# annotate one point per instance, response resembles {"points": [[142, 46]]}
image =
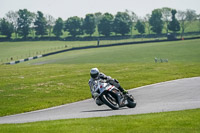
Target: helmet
{"points": [[94, 73]]}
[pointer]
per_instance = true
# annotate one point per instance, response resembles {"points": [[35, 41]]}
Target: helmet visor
{"points": [[94, 75]]}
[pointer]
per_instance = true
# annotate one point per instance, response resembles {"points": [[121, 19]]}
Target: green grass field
{"points": [[177, 51], [169, 122], [63, 79], [21, 50]]}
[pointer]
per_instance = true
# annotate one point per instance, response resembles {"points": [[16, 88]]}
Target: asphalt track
{"points": [[173, 95]]}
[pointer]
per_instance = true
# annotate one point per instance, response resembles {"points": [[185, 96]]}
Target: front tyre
{"points": [[131, 102], [110, 100]]}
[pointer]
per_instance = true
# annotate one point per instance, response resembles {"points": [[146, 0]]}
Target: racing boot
{"points": [[123, 90]]}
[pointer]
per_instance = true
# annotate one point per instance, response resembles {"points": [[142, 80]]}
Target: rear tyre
{"points": [[110, 101]]}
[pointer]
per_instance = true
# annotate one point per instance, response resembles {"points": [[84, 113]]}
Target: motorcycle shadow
{"points": [[104, 110]]}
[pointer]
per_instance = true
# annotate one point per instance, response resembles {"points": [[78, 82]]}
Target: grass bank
{"points": [[21, 50], [27, 88], [175, 51], [177, 122]]}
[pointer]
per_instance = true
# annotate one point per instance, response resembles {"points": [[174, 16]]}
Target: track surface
{"points": [[161, 97]]}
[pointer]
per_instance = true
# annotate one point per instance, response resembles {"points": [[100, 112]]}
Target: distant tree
{"points": [[156, 21], [122, 23], [166, 16], [105, 25], [40, 24], [174, 25], [134, 19], [98, 16], [146, 20], [32, 26], [50, 23], [24, 22], [198, 18], [140, 27], [0, 22], [57, 29], [89, 24], [6, 28], [186, 18], [74, 26], [12, 17]]}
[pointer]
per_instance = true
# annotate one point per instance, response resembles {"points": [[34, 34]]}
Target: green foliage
{"points": [[174, 24], [57, 29], [50, 23], [166, 15], [105, 25], [89, 24], [186, 18], [74, 26], [12, 17], [24, 21], [122, 23], [40, 24], [98, 16], [140, 27], [198, 19], [156, 21], [6, 28]]}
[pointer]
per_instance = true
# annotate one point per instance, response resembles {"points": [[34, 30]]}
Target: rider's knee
{"points": [[99, 102]]}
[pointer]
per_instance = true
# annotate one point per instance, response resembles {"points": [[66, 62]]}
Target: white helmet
{"points": [[94, 73]]}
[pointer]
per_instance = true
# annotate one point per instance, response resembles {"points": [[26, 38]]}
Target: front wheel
{"points": [[131, 102], [110, 100]]}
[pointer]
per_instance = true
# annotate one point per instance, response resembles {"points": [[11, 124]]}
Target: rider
{"points": [[95, 75]]}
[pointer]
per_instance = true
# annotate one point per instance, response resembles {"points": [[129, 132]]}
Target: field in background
{"points": [[176, 51], [13, 51], [21, 50]]}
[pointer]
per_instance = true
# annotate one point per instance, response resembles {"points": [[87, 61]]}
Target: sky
{"points": [[69, 8]]}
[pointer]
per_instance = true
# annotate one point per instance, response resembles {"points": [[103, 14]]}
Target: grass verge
{"points": [[187, 121]]}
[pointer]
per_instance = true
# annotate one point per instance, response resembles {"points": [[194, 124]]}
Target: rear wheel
{"points": [[110, 100]]}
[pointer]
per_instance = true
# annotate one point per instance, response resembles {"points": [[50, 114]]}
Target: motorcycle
{"points": [[112, 96]]}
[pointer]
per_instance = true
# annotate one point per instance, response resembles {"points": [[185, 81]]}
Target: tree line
{"points": [[24, 22]]}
